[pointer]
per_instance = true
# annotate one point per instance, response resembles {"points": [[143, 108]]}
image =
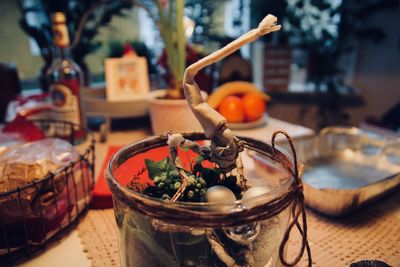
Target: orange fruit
{"points": [[254, 106], [231, 107]]}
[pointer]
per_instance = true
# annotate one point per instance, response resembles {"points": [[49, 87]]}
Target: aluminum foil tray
{"points": [[345, 168]]}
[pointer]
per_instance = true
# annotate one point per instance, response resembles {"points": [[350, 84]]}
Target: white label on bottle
{"points": [[66, 106]]}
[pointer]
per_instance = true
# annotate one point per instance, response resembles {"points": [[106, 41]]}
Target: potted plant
{"points": [[170, 103]]}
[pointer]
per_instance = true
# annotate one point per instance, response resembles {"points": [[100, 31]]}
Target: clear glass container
{"points": [[153, 232]]}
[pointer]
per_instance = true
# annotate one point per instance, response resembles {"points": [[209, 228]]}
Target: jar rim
{"points": [[141, 201]]}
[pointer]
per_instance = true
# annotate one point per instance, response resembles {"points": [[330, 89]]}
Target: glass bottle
{"points": [[64, 76]]}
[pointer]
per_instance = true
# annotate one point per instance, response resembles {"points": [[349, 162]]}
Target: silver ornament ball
{"points": [[220, 194]]}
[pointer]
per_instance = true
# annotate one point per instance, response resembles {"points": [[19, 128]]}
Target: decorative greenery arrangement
{"points": [[312, 22], [167, 181], [208, 247], [226, 234], [328, 30], [84, 19]]}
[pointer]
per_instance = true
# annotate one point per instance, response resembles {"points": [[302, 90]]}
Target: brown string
{"points": [[297, 208]]}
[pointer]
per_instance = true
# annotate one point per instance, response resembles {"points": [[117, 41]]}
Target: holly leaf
{"points": [[170, 167], [153, 168], [156, 168]]}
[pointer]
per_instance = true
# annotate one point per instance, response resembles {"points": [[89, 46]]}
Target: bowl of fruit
{"points": [[242, 103]]}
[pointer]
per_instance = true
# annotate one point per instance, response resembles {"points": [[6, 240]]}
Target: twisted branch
{"points": [[225, 147]]}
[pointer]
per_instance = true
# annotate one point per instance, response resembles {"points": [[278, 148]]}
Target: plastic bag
{"points": [[8, 140], [21, 164]]}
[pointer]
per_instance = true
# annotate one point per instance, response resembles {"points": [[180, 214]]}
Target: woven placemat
{"points": [[364, 236], [98, 233], [372, 234]]}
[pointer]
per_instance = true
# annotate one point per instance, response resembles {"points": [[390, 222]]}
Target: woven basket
{"points": [[33, 215]]}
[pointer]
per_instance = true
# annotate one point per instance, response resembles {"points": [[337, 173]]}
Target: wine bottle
{"points": [[64, 76]]}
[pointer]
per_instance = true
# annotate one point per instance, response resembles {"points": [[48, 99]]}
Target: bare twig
{"points": [[182, 188], [240, 179], [178, 164]]}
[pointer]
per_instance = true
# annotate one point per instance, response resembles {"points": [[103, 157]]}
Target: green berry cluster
{"points": [[196, 189], [167, 181]]}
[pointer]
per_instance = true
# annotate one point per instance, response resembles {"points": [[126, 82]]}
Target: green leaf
{"points": [[170, 167], [153, 168], [156, 168]]}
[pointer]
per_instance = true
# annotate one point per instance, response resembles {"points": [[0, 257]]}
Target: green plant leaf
{"points": [[153, 168], [156, 168]]}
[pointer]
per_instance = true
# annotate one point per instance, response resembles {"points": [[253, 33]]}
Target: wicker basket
{"points": [[33, 215]]}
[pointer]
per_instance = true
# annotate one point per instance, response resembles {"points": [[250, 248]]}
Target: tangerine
{"points": [[254, 106], [231, 107]]}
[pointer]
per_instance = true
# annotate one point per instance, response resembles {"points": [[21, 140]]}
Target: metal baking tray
{"points": [[345, 168]]}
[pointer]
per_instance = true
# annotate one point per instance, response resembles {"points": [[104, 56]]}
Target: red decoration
{"points": [[28, 131], [128, 50]]}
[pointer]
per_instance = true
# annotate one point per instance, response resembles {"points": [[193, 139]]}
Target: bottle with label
{"points": [[64, 76]]}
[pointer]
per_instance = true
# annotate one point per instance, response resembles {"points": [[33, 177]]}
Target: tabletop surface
{"points": [[69, 250]]}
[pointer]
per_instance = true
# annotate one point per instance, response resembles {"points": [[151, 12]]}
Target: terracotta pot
{"points": [[171, 115]]}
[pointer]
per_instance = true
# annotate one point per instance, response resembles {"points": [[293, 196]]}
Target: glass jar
{"points": [[154, 232]]}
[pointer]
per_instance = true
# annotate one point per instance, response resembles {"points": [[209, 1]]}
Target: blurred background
{"points": [[333, 63]]}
